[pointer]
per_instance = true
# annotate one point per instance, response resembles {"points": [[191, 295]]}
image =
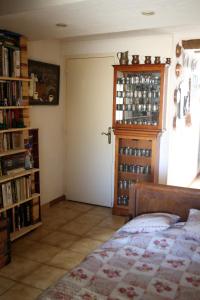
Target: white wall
{"points": [[49, 120], [153, 45], [183, 142]]}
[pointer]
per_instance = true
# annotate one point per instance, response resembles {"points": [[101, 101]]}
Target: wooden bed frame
{"points": [[149, 198]]}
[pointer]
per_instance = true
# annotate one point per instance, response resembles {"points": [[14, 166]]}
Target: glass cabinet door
{"points": [[137, 98], [134, 165]]}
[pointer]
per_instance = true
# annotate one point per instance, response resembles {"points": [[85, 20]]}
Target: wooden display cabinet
{"points": [[138, 97], [138, 121], [136, 160]]}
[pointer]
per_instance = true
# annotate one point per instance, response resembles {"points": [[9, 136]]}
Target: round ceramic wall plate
{"points": [[178, 69], [178, 50], [175, 95]]}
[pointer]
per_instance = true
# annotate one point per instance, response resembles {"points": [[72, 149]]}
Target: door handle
{"points": [[108, 134]]}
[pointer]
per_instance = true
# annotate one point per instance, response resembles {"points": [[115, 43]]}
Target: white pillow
{"points": [[150, 222], [192, 226]]}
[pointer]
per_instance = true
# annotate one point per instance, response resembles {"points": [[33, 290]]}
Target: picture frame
{"points": [[44, 84]]}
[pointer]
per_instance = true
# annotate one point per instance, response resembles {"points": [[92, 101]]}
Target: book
{"points": [[28, 186], [6, 62], [9, 193], [5, 142], [14, 191], [1, 199], [17, 140], [27, 214], [1, 59], [12, 162], [1, 119], [1, 173], [17, 187], [4, 194], [16, 63], [1, 143]]}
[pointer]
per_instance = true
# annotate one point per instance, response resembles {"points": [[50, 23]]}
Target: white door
{"points": [[89, 157]]}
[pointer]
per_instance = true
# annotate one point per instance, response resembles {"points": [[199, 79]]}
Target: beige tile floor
{"points": [[70, 231]]}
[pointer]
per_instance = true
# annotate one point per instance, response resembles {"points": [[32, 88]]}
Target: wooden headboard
{"points": [[149, 197]]}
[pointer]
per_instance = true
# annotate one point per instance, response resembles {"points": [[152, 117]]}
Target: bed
{"points": [[153, 265]]}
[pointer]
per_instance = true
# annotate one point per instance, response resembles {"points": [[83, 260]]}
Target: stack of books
{"points": [[9, 54], [11, 165], [11, 93], [15, 191], [11, 141], [11, 118], [19, 217]]}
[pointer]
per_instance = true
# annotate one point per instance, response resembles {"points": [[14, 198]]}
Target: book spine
{"points": [[4, 194], [6, 63], [16, 63], [1, 59]]}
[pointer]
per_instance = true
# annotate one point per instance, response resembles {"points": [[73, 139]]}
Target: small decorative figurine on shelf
{"points": [[28, 163], [123, 57], [168, 60], [147, 60], [157, 60], [135, 59]]}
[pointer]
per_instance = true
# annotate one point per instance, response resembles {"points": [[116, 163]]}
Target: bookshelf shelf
{"points": [[35, 195], [18, 175], [15, 107], [17, 234], [5, 78], [11, 152], [15, 129]]}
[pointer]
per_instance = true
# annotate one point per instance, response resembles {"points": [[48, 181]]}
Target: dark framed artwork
{"points": [[44, 85]]}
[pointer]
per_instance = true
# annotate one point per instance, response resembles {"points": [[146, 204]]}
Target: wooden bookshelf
{"points": [[138, 122], [15, 107], [17, 175], [20, 190], [5, 78], [35, 195], [11, 152], [15, 129], [23, 231]]}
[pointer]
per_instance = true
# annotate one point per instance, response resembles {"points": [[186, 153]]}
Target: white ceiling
{"points": [[37, 18]]}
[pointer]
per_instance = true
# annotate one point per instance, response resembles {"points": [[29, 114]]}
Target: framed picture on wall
{"points": [[44, 85]]}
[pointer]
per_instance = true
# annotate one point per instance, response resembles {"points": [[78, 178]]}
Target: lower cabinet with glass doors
{"points": [[136, 160]]}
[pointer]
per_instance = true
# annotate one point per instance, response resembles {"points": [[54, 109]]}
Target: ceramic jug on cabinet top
{"points": [[123, 57], [135, 59], [147, 60]]}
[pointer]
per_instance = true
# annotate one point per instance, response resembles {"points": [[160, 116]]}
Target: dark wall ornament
{"points": [[178, 70], [178, 50], [44, 85]]}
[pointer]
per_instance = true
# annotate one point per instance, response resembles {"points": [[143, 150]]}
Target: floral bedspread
{"points": [[158, 266]]}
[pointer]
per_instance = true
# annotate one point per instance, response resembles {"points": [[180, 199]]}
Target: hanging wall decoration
{"points": [[178, 50], [44, 85]]}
